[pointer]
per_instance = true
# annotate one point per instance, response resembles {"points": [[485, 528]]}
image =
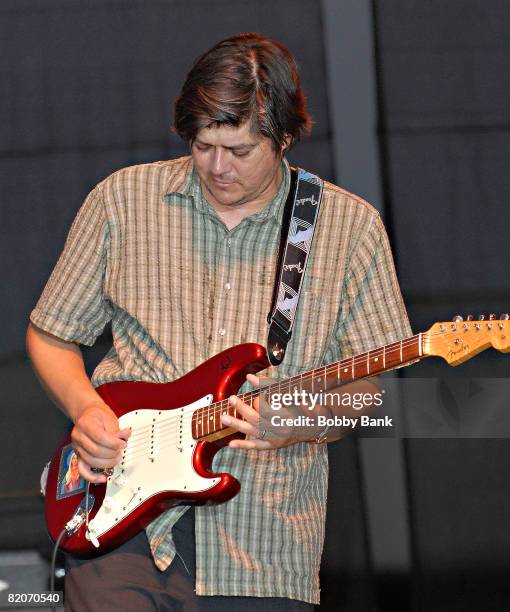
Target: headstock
{"points": [[459, 340]]}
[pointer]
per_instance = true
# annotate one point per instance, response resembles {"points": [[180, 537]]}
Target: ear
{"points": [[286, 142]]}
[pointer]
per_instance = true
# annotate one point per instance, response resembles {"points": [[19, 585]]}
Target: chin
{"points": [[227, 197], [230, 201]]}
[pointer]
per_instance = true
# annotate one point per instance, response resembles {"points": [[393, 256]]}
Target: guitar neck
{"points": [[206, 423]]}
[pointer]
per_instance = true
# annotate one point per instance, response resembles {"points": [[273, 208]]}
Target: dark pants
{"points": [[127, 580]]}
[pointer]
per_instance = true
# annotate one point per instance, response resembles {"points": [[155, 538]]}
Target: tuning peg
{"points": [[492, 316], [469, 317], [457, 319], [505, 316], [481, 317]]}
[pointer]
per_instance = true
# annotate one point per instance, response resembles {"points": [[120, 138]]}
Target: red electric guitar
{"points": [[176, 431]]}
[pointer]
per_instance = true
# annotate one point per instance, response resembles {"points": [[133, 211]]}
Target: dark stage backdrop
{"points": [[88, 87], [445, 103], [445, 126]]}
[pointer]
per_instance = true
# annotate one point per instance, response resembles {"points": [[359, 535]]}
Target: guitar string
{"points": [[164, 437], [217, 408], [345, 364], [211, 411]]}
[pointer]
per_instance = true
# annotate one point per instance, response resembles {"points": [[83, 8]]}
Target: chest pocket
{"points": [[308, 340]]}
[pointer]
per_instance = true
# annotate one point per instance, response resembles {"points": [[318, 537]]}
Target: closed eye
{"points": [[242, 152]]}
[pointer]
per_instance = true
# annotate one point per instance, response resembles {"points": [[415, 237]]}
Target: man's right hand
{"points": [[97, 440]]}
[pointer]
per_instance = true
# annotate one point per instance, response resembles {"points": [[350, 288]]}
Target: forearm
{"points": [[59, 366]]}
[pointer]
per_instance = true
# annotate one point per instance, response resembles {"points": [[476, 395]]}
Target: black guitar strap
{"points": [[298, 225]]}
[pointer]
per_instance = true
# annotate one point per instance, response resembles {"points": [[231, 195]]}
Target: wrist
{"points": [[82, 402], [322, 436]]}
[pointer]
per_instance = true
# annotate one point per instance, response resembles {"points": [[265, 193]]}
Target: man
{"points": [[180, 256]]}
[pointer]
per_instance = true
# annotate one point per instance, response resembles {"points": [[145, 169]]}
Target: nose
{"points": [[220, 162]]}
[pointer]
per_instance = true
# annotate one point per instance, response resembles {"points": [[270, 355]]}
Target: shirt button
{"points": [[228, 286], [229, 241], [221, 332]]}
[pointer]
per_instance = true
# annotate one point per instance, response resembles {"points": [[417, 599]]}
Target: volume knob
{"points": [[109, 504], [121, 480]]}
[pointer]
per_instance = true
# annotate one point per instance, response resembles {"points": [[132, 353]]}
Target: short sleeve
{"points": [[72, 306], [373, 311]]}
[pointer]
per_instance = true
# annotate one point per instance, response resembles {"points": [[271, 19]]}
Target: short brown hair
{"points": [[247, 77]]}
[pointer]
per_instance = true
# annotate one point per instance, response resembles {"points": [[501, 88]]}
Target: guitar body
{"points": [[163, 464]]}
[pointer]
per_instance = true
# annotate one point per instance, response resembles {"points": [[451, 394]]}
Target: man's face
{"points": [[235, 166]]}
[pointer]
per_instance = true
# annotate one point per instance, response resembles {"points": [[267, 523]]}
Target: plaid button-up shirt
{"points": [[148, 253]]}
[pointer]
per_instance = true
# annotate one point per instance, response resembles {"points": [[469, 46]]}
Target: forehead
{"points": [[230, 136]]}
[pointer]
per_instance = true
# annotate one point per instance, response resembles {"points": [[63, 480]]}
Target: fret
{"points": [[420, 346], [401, 359], [352, 368], [297, 381], [368, 362], [384, 357], [319, 380]]}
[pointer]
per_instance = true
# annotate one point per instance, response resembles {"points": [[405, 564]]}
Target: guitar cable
{"points": [[71, 527], [53, 564]]}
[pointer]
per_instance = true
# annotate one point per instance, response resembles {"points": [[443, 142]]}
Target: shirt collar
{"points": [[189, 186], [180, 176]]}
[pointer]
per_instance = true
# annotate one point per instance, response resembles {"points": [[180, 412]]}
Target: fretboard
{"points": [[207, 421]]}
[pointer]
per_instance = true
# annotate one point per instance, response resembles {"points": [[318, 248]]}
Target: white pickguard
{"points": [[158, 458]]}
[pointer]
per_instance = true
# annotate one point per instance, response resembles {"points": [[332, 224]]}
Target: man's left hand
{"points": [[260, 434]]}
